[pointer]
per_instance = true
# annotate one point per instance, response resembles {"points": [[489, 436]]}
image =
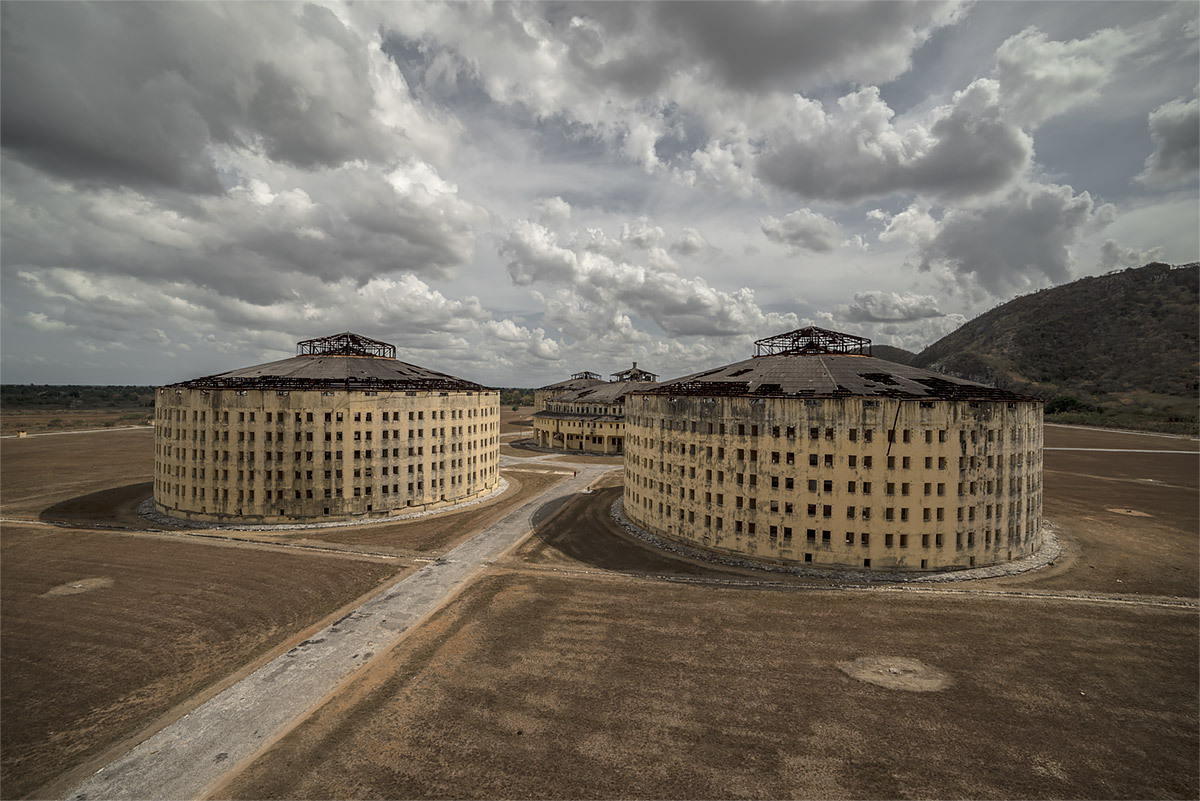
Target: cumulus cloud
{"points": [[802, 229], [641, 234], [552, 211], [689, 243], [679, 306], [965, 148], [1115, 257], [1040, 79], [352, 222], [289, 81], [888, 307], [1021, 240], [1175, 130]]}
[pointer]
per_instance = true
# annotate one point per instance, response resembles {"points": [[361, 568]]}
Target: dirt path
{"points": [[192, 755]]}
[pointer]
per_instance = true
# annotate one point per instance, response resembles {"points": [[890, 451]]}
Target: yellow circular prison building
{"points": [[590, 418], [814, 453], [341, 431]]}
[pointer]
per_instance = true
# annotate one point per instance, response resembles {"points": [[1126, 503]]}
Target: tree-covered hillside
{"points": [[1117, 349]]}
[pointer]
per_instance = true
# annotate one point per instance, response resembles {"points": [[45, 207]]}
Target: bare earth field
{"points": [[507, 449], [103, 633], [520, 420], [564, 687], [40, 471], [82, 670], [437, 533], [587, 666]]}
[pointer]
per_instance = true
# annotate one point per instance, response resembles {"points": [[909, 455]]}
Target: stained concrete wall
{"points": [[262, 456], [842, 483]]}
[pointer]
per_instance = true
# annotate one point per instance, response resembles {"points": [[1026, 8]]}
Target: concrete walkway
{"points": [[189, 757]]}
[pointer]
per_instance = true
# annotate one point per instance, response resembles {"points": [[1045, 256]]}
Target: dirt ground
{"points": [[589, 666], [436, 533], [82, 670], [507, 449], [520, 420], [569, 687], [37, 472], [615, 461]]}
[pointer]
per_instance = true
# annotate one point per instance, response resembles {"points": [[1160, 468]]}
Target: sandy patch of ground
{"points": [[76, 587], [896, 673]]}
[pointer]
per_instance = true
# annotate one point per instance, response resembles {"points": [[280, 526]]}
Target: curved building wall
{"points": [[267, 456], [859, 483]]}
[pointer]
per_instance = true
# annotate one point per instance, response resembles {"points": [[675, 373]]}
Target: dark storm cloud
{"points": [[744, 46], [236, 244], [1021, 240], [135, 93]]}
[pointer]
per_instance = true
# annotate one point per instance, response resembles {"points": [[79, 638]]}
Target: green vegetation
{"points": [[893, 354], [71, 396], [515, 397], [1117, 350]]}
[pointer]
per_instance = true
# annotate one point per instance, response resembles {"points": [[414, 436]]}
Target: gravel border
{"points": [[147, 511], [1050, 551]]}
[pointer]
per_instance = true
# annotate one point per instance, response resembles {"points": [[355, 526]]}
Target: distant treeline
{"points": [[73, 396], [516, 396]]}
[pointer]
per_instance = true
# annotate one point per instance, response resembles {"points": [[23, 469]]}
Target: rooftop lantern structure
{"points": [[346, 344], [634, 374], [586, 374], [812, 340]]}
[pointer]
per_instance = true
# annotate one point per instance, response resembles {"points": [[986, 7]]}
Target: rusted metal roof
{"points": [[334, 372], [604, 392], [574, 383], [829, 375]]}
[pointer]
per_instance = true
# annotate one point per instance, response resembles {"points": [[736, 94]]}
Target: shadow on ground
{"points": [[116, 506], [579, 530]]}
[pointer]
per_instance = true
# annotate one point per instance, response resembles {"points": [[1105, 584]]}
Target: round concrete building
{"points": [[341, 431], [815, 453]]}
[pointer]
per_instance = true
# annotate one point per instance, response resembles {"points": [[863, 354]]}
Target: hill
{"points": [[1117, 350], [891, 354]]}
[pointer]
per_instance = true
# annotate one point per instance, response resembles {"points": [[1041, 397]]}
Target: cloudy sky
{"points": [[515, 192]]}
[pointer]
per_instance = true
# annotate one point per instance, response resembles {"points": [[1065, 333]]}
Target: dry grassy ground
{"points": [[587, 666], [39, 420]]}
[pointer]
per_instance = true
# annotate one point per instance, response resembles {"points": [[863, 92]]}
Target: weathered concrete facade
{"points": [[836, 459], [850, 482], [589, 419], [268, 455]]}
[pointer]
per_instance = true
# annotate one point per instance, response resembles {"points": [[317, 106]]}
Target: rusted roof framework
{"points": [[345, 344], [812, 340], [585, 375]]}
